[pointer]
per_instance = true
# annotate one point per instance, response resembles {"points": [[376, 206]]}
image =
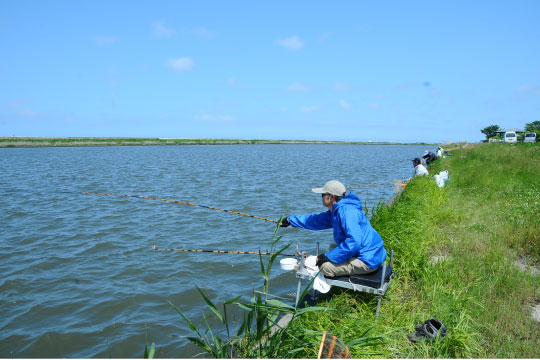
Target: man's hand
{"points": [[321, 259], [285, 222]]}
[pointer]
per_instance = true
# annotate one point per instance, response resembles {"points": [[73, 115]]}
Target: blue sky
{"points": [[406, 71]]}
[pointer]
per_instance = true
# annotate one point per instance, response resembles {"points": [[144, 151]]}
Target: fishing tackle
{"points": [[222, 251], [183, 203], [376, 184]]}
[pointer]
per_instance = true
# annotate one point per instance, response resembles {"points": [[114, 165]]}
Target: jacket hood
{"points": [[350, 199]]}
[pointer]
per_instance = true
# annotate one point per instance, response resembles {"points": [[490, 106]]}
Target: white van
{"points": [[529, 138], [510, 137]]}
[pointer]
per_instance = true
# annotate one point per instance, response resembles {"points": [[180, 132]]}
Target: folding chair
{"points": [[375, 283]]}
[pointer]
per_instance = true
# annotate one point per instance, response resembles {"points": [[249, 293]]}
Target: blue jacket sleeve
{"points": [[312, 221], [351, 225]]}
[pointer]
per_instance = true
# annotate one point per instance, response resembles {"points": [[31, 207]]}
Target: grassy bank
{"points": [[456, 254], [102, 141]]}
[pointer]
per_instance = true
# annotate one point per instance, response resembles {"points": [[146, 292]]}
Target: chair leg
{"points": [[298, 293], [378, 307]]}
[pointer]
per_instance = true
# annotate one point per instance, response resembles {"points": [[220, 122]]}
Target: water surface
{"points": [[79, 278]]}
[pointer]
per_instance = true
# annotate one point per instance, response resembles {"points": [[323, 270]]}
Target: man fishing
{"points": [[359, 249], [419, 169], [429, 157]]}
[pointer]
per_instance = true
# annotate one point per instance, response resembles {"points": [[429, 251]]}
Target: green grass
{"points": [[484, 218]]}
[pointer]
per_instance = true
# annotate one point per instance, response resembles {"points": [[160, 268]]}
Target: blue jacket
{"points": [[353, 233]]}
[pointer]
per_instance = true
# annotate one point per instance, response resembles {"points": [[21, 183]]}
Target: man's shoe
{"points": [[430, 330]]}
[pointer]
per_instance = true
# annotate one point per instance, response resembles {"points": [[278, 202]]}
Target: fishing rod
{"points": [[215, 208], [183, 203], [376, 184], [221, 251]]}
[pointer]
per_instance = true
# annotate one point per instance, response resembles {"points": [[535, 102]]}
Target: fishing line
{"points": [[221, 251], [183, 203]]}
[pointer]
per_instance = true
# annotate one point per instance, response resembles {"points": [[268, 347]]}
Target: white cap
{"points": [[333, 187]]}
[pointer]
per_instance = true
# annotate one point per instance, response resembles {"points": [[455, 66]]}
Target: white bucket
{"points": [[287, 264]]}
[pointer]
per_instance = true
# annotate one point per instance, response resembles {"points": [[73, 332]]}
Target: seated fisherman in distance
{"points": [[359, 248], [419, 169]]}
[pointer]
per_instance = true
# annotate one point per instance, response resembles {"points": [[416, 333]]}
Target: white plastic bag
{"points": [[444, 175], [439, 180], [320, 283]]}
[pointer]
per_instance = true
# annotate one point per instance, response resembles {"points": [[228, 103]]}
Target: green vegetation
{"points": [[490, 131], [456, 250], [533, 127], [102, 141]]}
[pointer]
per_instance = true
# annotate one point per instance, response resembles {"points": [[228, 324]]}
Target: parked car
{"points": [[510, 137], [529, 138]]}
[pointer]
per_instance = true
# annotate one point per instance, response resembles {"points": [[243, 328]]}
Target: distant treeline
{"points": [[121, 141]]}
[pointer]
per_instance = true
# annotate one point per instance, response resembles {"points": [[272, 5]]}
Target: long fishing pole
{"points": [[221, 251], [215, 208], [376, 184], [183, 203]]}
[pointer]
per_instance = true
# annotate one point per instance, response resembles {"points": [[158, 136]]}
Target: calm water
{"points": [[78, 276]]}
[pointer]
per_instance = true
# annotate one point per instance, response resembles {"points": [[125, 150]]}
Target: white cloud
{"points": [[298, 87], [27, 113], [340, 86], [209, 117], [181, 63], [202, 32], [159, 29], [312, 108], [529, 89], [105, 40], [21, 108], [344, 104], [291, 43]]}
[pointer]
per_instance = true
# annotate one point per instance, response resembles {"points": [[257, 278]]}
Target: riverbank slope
{"points": [[466, 254]]}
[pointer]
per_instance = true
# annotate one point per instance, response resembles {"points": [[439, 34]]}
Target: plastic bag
{"points": [[439, 180], [444, 175]]}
